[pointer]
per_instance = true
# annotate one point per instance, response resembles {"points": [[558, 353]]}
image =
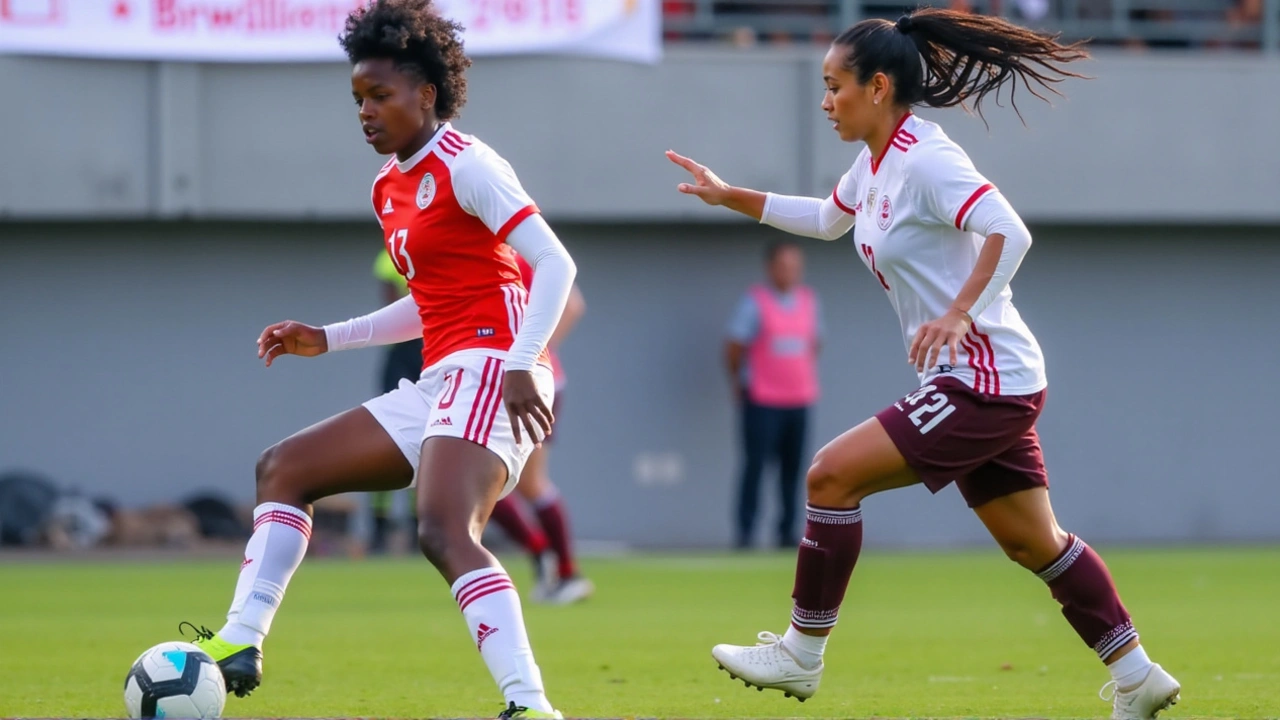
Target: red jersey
{"points": [[446, 213]]}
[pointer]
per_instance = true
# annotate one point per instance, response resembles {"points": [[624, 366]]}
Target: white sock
{"points": [[279, 542], [1131, 669], [806, 649], [491, 607]]}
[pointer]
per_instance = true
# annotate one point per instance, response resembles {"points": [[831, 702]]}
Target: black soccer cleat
{"points": [[241, 665]]}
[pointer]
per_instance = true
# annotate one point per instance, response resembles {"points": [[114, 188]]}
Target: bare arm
{"points": [[811, 217]]}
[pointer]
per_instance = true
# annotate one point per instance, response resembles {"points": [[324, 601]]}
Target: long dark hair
{"points": [[943, 58]]}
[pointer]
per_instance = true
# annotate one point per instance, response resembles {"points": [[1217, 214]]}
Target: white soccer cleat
{"points": [[564, 592], [768, 665], [1145, 700], [572, 590]]}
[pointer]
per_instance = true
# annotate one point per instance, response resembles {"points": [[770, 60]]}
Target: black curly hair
{"points": [[419, 40]]}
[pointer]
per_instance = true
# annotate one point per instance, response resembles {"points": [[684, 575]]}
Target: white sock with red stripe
{"points": [[489, 603], [279, 542]]}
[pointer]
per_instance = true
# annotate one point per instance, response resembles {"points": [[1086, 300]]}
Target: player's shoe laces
{"points": [[518, 712], [241, 665], [1157, 691], [768, 665]]}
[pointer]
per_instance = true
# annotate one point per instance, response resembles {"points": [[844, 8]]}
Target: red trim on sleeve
{"points": [[968, 204], [835, 195], [515, 220]]}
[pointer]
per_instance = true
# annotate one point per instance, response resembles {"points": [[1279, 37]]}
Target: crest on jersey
{"points": [[426, 191], [884, 214]]}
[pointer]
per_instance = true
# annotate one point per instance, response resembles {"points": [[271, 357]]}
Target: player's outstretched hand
{"points": [[525, 406], [945, 332], [291, 338], [711, 189]]}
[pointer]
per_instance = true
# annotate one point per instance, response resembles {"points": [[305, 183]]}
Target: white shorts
{"points": [[460, 397]]}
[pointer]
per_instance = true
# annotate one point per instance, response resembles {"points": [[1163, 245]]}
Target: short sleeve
{"points": [[945, 184], [846, 193], [745, 322], [487, 187]]}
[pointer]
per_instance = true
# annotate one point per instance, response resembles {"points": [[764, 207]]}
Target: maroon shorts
{"points": [[986, 444]]}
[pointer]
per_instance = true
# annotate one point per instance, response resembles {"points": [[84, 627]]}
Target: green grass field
{"points": [[921, 635]]}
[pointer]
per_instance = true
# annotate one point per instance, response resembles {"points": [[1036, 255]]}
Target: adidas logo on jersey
{"points": [[386, 207], [442, 421], [483, 632]]}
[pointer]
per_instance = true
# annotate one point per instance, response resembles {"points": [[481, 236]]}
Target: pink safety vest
{"points": [[782, 368]]}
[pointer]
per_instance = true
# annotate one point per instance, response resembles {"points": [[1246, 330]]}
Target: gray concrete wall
{"points": [[1155, 138], [127, 368]]}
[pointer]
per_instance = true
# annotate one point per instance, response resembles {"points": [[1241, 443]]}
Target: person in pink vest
{"points": [[772, 356]]}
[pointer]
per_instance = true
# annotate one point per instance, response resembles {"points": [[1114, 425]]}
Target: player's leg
{"points": [[861, 462], [757, 434], [790, 455], [567, 586], [348, 452], [468, 458], [508, 515], [459, 482], [1023, 524]]}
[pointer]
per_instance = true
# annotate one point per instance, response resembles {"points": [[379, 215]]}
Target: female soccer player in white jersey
{"points": [[452, 213], [943, 243]]}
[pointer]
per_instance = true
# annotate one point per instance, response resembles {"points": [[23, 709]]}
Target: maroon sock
{"points": [[828, 552], [508, 516], [1079, 580], [555, 523]]}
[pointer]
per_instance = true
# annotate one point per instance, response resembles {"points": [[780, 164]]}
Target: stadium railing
{"points": [[1191, 24]]}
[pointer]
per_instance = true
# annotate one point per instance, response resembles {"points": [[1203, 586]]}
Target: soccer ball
{"points": [[174, 680]]}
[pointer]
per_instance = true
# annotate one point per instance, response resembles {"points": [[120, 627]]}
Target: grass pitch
{"points": [[921, 635]]}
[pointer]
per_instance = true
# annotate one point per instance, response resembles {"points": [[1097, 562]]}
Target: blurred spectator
{"points": [[772, 358], [779, 23]]}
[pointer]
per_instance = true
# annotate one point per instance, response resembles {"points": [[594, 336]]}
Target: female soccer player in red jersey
{"points": [[943, 243], [453, 215]]}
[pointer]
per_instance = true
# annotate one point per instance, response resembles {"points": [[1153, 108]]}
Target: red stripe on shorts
{"points": [[476, 403]]}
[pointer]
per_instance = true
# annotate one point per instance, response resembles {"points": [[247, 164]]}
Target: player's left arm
{"points": [[487, 187], [949, 190]]}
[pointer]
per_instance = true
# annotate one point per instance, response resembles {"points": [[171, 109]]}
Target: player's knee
{"points": [[434, 541], [272, 474], [1019, 551], [828, 486], [1032, 552]]}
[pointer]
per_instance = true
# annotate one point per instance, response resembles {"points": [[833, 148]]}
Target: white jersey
{"points": [[911, 205]]}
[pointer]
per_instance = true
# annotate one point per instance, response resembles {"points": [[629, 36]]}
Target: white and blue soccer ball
{"points": [[175, 680]]}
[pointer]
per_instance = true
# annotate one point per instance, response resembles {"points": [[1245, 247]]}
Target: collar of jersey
{"points": [[417, 157], [877, 161]]}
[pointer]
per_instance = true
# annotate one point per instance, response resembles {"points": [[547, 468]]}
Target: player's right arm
{"points": [[825, 219], [392, 324]]}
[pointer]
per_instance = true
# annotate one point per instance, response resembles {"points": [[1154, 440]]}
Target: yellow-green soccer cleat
{"points": [[241, 665], [516, 712]]}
